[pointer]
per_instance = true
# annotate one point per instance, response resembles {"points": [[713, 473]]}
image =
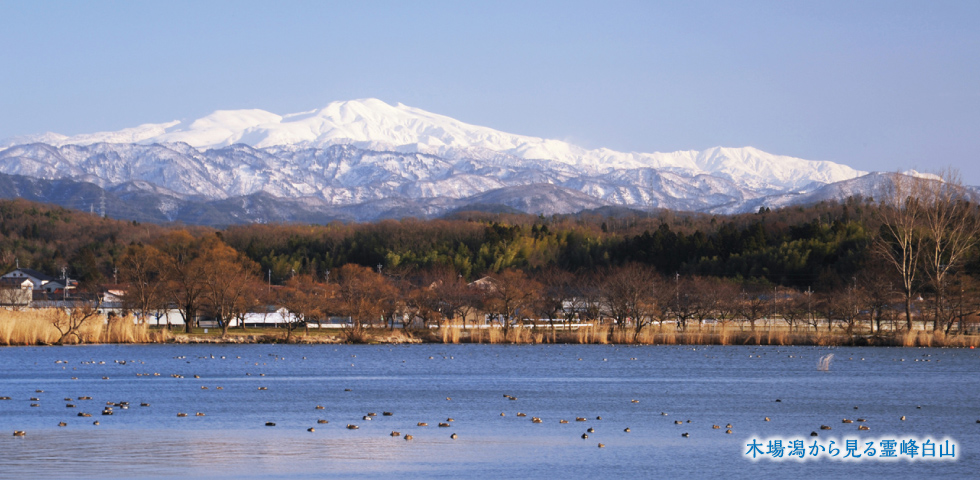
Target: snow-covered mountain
{"points": [[366, 151]]}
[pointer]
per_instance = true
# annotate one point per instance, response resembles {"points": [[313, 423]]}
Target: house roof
{"points": [[32, 273], [486, 283], [265, 309], [113, 287], [8, 282]]}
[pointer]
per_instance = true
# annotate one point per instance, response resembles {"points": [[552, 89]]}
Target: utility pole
{"points": [[809, 313], [379, 269], [857, 310], [677, 293]]}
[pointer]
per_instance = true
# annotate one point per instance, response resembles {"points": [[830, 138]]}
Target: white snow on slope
{"points": [[373, 124]]}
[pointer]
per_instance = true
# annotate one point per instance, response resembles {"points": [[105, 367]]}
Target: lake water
{"points": [[936, 389]]}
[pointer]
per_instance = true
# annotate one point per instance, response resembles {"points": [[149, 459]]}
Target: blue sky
{"points": [[875, 85]]}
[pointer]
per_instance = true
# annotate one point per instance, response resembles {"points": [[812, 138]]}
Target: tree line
{"points": [[861, 263]]}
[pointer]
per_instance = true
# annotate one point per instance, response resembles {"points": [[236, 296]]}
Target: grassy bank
{"points": [[38, 327]]}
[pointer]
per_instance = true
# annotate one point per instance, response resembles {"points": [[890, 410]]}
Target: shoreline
{"points": [[758, 338], [398, 337], [48, 328]]}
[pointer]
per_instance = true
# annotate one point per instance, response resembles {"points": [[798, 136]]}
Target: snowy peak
{"points": [[375, 125], [142, 134], [362, 152], [781, 170]]}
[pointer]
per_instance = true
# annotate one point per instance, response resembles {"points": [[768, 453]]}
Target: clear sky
{"points": [[876, 85]]}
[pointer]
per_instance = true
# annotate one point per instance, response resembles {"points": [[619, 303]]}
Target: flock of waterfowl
{"points": [[110, 407], [370, 416], [124, 405]]}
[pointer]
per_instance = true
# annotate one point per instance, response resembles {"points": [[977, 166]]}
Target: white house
{"points": [[41, 281], [16, 291], [268, 316]]}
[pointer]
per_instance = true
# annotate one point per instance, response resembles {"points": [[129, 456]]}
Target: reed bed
{"points": [[29, 327], [518, 335], [722, 334], [37, 327], [593, 334], [450, 331], [495, 335]]}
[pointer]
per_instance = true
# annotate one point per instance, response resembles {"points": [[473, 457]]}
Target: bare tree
{"points": [[141, 268], [826, 308], [227, 277], [358, 289], [302, 300], [728, 305], [964, 301], [755, 303], [846, 305], [512, 297], [557, 295], [952, 224], [704, 298], [15, 298], [254, 296], [453, 297], [899, 240], [78, 314], [682, 306], [183, 273], [390, 301], [422, 305], [628, 292], [587, 301], [879, 292], [813, 308], [795, 309]]}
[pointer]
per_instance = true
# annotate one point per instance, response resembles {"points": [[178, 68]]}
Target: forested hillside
{"points": [[798, 246], [857, 260]]}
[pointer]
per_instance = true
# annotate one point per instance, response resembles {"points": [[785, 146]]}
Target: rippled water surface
{"points": [[936, 389]]}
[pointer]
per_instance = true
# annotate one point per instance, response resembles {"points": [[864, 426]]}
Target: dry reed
{"points": [[724, 337], [593, 334], [37, 327], [495, 334], [646, 337], [449, 332], [620, 336], [518, 335]]}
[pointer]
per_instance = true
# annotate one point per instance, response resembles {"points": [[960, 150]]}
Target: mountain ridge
{"points": [[372, 124], [365, 159]]}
